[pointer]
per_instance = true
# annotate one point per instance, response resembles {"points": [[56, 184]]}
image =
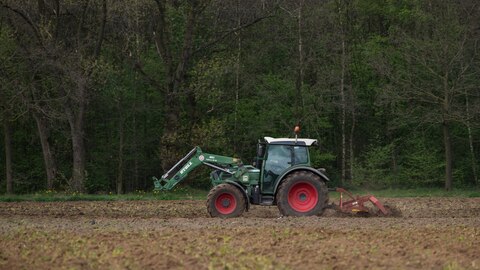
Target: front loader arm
{"points": [[190, 162]]}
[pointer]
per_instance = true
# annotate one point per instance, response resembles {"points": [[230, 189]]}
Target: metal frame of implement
{"points": [[356, 204]]}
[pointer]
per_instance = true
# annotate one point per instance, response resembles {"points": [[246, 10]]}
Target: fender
{"points": [[299, 168], [244, 191]]}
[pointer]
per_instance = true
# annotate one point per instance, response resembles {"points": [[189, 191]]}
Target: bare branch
{"points": [[228, 33], [101, 34], [27, 20]]}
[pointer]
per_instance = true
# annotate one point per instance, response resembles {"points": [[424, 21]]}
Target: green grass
{"points": [[187, 193], [181, 193], [417, 192]]}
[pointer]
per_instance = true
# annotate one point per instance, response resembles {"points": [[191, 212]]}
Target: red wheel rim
{"points": [[225, 203], [302, 197]]}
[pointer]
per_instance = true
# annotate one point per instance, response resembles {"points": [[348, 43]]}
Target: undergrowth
{"points": [[188, 193], [181, 193]]}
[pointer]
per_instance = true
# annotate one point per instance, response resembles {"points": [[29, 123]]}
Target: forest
{"points": [[99, 96]]}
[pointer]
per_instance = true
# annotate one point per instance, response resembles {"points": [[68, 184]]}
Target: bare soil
{"points": [[431, 233]]}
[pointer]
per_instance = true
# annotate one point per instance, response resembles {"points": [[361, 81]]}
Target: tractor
{"points": [[281, 175]]}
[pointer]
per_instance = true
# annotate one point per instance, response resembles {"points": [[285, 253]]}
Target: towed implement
{"points": [[356, 204], [281, 175]]}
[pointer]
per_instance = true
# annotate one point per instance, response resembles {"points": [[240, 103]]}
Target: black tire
{"points": [[225, 201], [302, 193]]}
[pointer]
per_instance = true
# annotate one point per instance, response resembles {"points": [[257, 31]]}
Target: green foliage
{"points": [[375, 171], [397, 54], [320, 159], [412, 163], [272, 107], [24, 170], [422, 164]]}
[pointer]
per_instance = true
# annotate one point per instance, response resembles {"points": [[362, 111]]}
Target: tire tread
{"points": [[213, 194], [282, 194]]}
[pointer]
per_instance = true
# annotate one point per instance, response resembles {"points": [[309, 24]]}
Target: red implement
{"points": [[356, 204]]}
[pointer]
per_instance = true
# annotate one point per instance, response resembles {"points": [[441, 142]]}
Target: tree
{"points": [[69, 58], [428, 65], [7, 103], [8, 156]]}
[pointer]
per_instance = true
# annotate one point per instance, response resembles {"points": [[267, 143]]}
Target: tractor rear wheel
{"points": [[302, 193], [225, 201]]}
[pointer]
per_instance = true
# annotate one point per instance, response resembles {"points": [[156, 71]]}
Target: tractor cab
{"points": [[278, 156]]}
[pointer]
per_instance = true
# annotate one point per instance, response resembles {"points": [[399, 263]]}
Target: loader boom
{"points": [[191, 161]]}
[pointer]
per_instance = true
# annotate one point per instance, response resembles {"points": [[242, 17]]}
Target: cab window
{"points": [[300, 155], [280, 158]]}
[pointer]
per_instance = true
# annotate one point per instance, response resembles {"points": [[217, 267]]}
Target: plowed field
{"points": [[431, 233]]}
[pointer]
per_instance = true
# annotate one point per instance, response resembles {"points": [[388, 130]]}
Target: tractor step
{"points": [[267, 200]]}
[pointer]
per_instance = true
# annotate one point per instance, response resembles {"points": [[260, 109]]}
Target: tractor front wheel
{"points": [[302, 193], [225, 201]]}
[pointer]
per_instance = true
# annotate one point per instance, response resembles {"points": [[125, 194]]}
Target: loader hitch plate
{"points": [[159, 186]]}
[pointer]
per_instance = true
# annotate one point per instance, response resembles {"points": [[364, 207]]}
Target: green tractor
{"points": [[282, 175]]}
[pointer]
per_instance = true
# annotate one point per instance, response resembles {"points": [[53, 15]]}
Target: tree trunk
{"points": [[448, 156], [75, 111], [101, 33], [121, 138], [135, 143], [472, 155], [470, 141], [8, 157], [175, 79], [299, 83], [343, 105], [237, 80], [76, 105], [169, 143], [447, 141], [352, 133], [78, 147], [343, 114], [48, 158]]}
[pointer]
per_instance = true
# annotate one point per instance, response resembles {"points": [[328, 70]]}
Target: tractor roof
{"points": [[291, 141]]}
